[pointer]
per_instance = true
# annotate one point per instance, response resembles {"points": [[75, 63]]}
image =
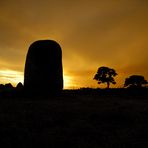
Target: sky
{"points": [[92, 34]]}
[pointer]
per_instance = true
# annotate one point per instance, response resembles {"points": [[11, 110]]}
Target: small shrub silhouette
{"points": [[8, 86], [135, 81], [19, 86]]}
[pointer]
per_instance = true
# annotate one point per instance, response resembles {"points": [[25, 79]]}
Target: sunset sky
{"points": [[92, 33]]}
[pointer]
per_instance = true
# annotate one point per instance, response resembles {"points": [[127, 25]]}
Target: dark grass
{"points": [[84, 118]]}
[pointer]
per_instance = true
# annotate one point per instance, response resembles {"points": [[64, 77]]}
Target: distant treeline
{"points": [[9, 92]]}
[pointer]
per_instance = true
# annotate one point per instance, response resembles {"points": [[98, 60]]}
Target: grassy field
{"points": [[75, 120]]}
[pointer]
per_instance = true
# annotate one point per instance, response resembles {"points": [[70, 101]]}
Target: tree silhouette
{"points": [[135, 81], [105, 75]]}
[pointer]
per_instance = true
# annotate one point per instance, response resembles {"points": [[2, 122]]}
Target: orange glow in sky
{"points": [[10, 76], [91, 33], [14, 77]]}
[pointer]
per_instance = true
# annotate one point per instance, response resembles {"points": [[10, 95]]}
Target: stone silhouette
{"points": [[43, 68]]}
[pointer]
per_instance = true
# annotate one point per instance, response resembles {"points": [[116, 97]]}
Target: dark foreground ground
{"points": [[75, 120]]}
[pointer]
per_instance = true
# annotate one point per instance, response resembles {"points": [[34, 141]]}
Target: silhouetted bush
{"points": [[135, 81], [2, 86], [8, 86], [19, 86]]}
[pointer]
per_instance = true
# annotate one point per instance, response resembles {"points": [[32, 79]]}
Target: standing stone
{"points": [[43, 68]]}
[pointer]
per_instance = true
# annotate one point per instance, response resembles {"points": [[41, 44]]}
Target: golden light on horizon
{"points": [[67, 82], [14, 77], [11, 76]]}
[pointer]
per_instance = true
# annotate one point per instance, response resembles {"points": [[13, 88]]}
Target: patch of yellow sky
{"points": [[11, 76], [14, 77]]}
